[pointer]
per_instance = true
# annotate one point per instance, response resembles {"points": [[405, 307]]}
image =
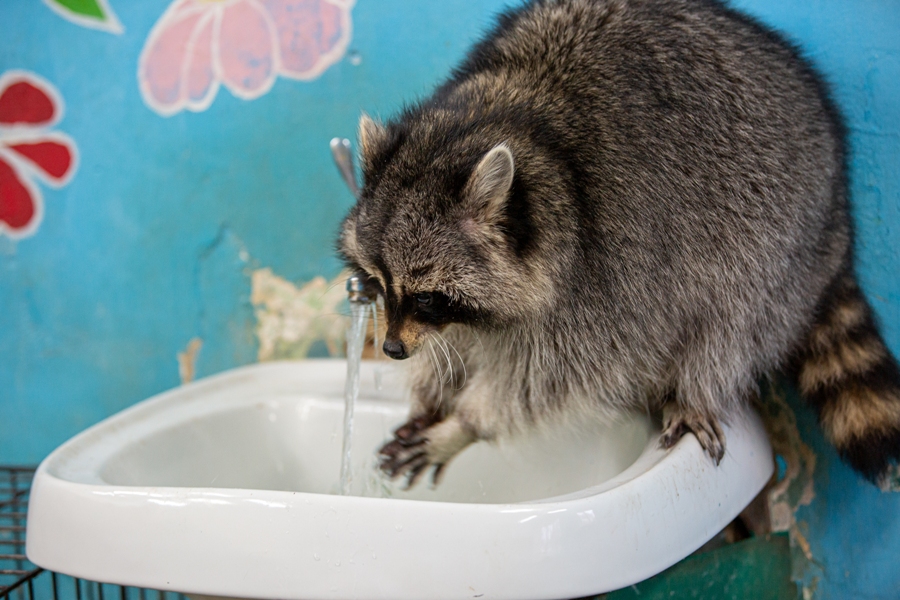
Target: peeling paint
{"points": [[291, 319], [793, 489], [891, 480], [809, 591], [796, 487], [187, 360]]}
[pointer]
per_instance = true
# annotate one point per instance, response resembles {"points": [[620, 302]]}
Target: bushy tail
{"points": [[849, 376]]}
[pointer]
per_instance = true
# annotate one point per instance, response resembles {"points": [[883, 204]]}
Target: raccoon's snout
{"points": [[395, 349]]}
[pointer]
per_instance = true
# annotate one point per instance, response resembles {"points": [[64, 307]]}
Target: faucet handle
{"points": [[343, 158]]}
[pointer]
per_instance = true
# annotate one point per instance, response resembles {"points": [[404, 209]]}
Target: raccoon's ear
{"points": [[488, 187], [371, 136]]}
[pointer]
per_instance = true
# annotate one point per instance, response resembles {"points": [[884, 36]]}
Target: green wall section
{"points": [[757, 569]]}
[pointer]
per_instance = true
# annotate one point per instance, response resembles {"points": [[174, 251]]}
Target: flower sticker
{"points": [[244, 44], [29, 106], [95, 14]]}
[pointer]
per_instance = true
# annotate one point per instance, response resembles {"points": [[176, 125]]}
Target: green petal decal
{"points": [[95, 14], [86, 8]]}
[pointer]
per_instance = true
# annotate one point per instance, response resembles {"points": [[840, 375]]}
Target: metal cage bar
{"points": [[22, 580]]}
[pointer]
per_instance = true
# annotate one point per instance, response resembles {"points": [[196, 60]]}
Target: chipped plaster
{"points": [[891, 481], [291, 319], [793, 486], [187, 360]]}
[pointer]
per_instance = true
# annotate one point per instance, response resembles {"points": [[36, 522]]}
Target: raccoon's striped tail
{"points": [[850, 378]]}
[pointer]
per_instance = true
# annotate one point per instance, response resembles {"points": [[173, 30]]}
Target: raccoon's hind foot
{"points": [[678, 421], [421, 443]]}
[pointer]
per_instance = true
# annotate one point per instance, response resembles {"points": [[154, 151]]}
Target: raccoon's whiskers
{"points": [[431, 361], [441, 372], [449, 371], [339, 281], [480, 343], [437, 371], [461, 361]]}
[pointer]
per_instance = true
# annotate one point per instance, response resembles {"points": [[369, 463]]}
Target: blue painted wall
{"points": [[154, 240]]}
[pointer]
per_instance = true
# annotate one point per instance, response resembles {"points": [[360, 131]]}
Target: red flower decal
{"points": [[29, 106]]}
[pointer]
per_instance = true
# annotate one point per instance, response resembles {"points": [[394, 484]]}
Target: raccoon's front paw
{"points": [[422, 443], [678, 421]]}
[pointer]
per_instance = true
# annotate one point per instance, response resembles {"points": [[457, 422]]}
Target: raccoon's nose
{"points": [[395, 349]]}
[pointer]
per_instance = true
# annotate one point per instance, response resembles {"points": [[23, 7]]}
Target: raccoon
{"points": [[619, 205]]}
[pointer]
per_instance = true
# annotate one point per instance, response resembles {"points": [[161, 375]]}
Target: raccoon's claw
{"points": [[405, 452], [409, 431], [400, 458], [677, 422], [398, 455], [422, 443]]}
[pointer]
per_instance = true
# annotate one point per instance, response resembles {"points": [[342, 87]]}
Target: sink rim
{"points": [[56, 502]]}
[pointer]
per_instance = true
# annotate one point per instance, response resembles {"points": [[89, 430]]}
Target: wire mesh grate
{"points": [[22, 580], [16, 572]]}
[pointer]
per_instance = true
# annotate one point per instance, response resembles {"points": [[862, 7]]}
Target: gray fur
{"points": [[677, 210]]}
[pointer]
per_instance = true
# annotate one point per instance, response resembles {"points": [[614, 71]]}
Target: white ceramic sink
{"points": [[224, 487]]}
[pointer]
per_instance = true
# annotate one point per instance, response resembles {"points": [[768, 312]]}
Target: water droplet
{"points": [[316, 556], [374, 557], [398, 527], [355, 58], [337, 563]]}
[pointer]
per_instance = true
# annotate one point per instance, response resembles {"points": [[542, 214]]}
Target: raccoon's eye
{"points": [[424, 298]]}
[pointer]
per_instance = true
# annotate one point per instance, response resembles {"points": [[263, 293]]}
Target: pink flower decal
{"points": [[199, 44], [29, 106]]}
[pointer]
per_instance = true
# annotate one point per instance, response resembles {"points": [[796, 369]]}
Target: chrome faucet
{"points": [[343, 158], [356, 289]]}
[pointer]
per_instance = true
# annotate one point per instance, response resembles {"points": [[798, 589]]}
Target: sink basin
{"points": [[226, 487]]}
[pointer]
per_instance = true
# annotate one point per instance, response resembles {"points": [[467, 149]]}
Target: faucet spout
{"points": [[356, 289]]}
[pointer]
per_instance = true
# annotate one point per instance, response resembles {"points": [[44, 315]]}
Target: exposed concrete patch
{"points": [[290, 319], [809, 591], [891, 481], [794, 487], [187, 360]]}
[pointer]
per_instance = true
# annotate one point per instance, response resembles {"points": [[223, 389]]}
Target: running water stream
{"points": [[360, 306], [359, 316]]}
